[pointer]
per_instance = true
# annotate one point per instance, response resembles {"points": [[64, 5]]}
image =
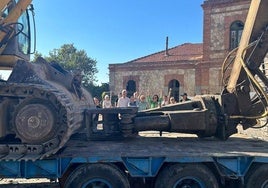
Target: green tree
{"points": [[72, 59], [96, 91]]}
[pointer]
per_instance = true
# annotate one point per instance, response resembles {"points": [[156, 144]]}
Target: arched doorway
{"points": [[131, 87], [174, 87]]}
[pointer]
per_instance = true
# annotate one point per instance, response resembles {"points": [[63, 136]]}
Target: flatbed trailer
{"points": [[151, 162]]}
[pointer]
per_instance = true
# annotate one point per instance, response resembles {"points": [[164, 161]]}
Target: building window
{"points": [[131, 87], [236, 30], [174, 88]]}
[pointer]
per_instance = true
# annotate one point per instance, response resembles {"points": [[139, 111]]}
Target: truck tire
{"points": [[97, 175], [191, 175], [257, 177]]}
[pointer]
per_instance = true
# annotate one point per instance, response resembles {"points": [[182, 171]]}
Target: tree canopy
{"points": [[71, 59]]}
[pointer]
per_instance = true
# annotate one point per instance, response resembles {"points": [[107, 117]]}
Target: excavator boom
{"points": [[248, 73], [256, 24], [16, 11]]}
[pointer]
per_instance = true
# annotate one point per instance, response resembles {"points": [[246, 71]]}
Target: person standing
{"points": [[97, 102], [116, 100], [165, 101], [154, 102], [172, 100], [184, 97], [132, 102], [143, 104], [96, 116], [124, 100], [136, 96], [106, 102]]}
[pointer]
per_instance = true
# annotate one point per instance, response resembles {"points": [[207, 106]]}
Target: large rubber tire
{"points": [[97, 175], [257, 177], [189, 175]]}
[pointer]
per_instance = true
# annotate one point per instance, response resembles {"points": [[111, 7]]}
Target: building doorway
{"points": [[174, 88], [131, 87]]}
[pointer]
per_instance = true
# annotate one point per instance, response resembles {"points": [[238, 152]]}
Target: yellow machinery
{"points": [[248, 72], [41, 104], [15, 34]]}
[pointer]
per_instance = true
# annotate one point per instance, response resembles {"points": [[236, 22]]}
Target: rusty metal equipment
{"points": [[39, 110]]}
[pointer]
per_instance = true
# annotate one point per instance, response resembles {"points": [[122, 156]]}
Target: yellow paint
{"points": [[244, 42]]}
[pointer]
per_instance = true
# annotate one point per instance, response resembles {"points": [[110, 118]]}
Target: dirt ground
{"points": [[28, 183]]}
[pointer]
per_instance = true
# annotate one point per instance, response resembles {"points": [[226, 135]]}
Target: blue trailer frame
{"points": [[143, 157], [136, 166]]}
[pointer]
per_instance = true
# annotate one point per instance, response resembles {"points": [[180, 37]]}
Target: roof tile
{"points": [[184, 52]]}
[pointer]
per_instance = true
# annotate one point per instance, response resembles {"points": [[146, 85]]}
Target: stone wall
{"points": [[218, 17], [155, 81]]}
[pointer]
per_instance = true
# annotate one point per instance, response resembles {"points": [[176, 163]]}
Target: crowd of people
{"points": [[141, 101]]}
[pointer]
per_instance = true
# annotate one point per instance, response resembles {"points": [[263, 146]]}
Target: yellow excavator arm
{"points": [[16, 11], [245, 95], [256, 23], [11, 11]]}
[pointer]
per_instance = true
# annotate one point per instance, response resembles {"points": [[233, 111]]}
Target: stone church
{"points": [[191, 68]]}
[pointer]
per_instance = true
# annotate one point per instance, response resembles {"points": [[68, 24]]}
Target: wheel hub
{"points": [[189, 182], [98, 183], [34, 123]]}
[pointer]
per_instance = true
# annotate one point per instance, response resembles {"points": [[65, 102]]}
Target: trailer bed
{"points": [[145, 155], [174, 146]]}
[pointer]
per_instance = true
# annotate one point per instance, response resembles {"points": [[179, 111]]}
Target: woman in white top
{"points": [[106, 102], [124, 100]]}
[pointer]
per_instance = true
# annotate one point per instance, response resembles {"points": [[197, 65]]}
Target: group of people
{"points": [[106, 103], [140, 101]]}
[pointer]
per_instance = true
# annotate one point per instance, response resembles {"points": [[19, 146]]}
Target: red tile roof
{"points": [[184, 52]]}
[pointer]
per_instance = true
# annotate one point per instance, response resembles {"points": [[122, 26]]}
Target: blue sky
{"points": [[117, 31]]}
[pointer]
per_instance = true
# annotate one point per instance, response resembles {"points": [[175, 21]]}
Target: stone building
{"points": [[191, 68]]}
